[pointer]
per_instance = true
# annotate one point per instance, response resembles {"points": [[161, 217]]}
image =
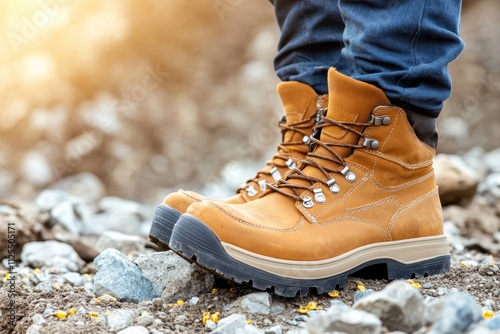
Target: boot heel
{"points": [[434, 266], [163, 222]]}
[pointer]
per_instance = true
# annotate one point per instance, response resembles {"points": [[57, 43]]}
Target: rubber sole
{"points": [[194, 241], [163, 223]]}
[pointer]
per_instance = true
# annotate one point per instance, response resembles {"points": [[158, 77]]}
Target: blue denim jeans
{"points": [[402, 46]]}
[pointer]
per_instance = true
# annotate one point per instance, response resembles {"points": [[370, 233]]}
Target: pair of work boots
{"points": [[351, 188]]}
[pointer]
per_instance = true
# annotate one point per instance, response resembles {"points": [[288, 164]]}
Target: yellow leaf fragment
{"points": [[214, 290], [334, 294], [249, 321], [61, 314], [71, 311], [108, 312], [462, 264], [215, 317], [93, 314], [488, 314], [180, 302], [37, 271], [360, 286], [205, 317], [414, 284]]}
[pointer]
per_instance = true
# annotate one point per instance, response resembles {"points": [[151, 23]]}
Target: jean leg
{"points": [[404, 47], [310, 42]]}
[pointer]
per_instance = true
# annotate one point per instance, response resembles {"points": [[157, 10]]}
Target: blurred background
{"points": [[153, 96]]}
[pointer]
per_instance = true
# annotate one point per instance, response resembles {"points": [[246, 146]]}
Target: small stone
{"points": [[300, 318], [64, 215], [122, 242], [145, 320], [194, 300], [277, 308], [257, 302], [427, 285], [56, 254], [112, 267], [293, 323], [360, 294], [85, 186], [210, 325], [494, 323], [462, 313], [36, 169], [34, 329], [249, 329], [174, 277], [455, 179], [50, 198], [230, 324], [341, 318], [181, 319], [48, 311], [273, 330], [134, 330], [120, 319], [38, 319], [434, 308], [74, 278], [399, 306], [492, 160], [45, 287]]}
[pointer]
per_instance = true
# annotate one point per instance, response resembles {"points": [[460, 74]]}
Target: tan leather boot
{"points": [[364, 198], [300, 105]]}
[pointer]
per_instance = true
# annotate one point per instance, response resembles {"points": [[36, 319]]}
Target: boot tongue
{"points": [[351, 101], [299, 103]]}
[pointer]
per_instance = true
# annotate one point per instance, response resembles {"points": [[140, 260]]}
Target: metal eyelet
{"points": [[319, 196], [334, 187], [349, 176], [306, 140], [380, 120], [262, 184], [290, 164], [371, 143], [251, 191], [275, 173], [307, 202]]}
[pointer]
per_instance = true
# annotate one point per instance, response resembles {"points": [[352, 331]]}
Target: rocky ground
{"points": [[84, 265]]}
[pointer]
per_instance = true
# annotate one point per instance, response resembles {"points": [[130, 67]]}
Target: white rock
{"points": [[38, 319], [341, 318], [56, 254], [86, 186], [35, 168], [64, 214], [50, 198], [122, 242], [399, 306], [134, 330], [249, 329], [120, 319], [230, 324], [119, 277], [210, 325], [257, 302], [174, 277], [74, 278]]}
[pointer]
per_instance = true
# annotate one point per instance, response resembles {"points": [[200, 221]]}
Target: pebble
{"points": [[50, 198], [360, 294], [134, 330], [174, 277], [257, 302], [34, 329], [74, 278], [38, 319], [455, 179], [52, 253], [434, 308], [273, 330], [193, 301], [122, 242], [120, 319], [86, 186], [112, 266], [210, 325], [64, 215], [45, 287], [399, 306], [462, 313], [494, 323], [145, 320], [112, 221], [339, 317], [230, 324]]}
